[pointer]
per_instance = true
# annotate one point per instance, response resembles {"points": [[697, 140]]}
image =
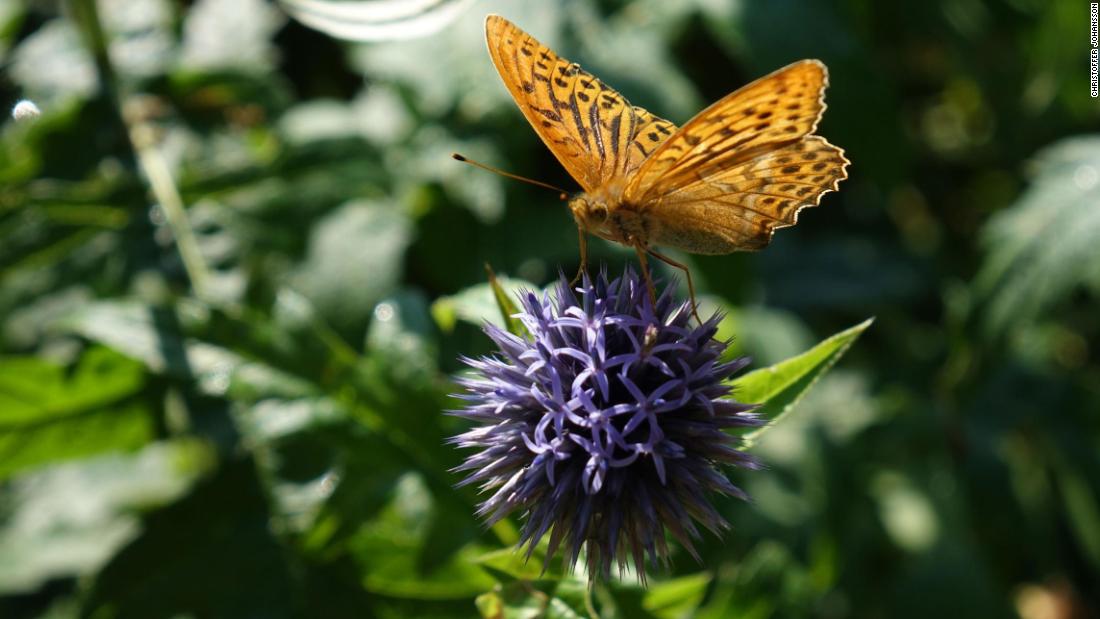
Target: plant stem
{"points": [[167, 194], [142, 137]]}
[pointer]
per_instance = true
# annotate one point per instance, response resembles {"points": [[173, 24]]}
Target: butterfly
{"points": [[723, 182]]}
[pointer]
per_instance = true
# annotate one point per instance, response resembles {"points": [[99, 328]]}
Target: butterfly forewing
{"points": [[592, 130], [779, 108], [649, 133], [739, 207]]}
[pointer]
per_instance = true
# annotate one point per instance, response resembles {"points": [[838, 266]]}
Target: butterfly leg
{"points": [[584, 256], [641, 251], [687, 273]]}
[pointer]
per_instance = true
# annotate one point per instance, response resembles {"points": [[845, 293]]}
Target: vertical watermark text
{"points": [[1094, 49]]}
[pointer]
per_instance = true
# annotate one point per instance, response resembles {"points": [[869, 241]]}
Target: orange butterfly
{"points": [[721, 183]]}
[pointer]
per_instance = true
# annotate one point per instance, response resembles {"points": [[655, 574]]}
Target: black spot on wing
{"points": [[550, 114], [616, 126], [597, 133], [576, 110]]}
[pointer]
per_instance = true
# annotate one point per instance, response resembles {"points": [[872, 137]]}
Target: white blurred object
{"points": [[230, 35], [139, 34], [376, 20], [24, 110], [51, 65]]}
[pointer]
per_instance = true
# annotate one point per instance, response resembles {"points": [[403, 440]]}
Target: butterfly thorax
{"points": [[606, 215]]}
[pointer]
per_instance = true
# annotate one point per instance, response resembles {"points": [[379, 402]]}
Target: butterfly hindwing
{"points": [[592, 129], [740, 206]]}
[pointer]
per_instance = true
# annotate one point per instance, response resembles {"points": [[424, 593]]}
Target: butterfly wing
{"points": [[592, 129], [739, 208], [743, 167]]}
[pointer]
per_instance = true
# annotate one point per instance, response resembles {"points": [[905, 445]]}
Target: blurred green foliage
{"points": [[263, 437]]}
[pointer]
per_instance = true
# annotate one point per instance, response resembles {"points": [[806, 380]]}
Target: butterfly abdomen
{"points": [[629, 227]]}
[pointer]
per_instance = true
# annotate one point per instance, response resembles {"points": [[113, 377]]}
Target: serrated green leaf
{"points": [[779, 388]]}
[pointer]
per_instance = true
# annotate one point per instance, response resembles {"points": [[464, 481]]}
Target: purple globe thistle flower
{"points": [[606, 425]]}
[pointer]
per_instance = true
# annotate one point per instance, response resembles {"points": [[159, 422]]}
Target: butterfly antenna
{"points": [[563, 194]]}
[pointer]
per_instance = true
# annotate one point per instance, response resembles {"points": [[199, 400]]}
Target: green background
{"points": [[257, 431]]}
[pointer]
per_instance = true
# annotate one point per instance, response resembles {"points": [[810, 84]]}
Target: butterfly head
{"points": [[590, 213]]}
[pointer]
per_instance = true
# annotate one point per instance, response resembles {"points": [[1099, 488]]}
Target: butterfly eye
{"points": [[597, 213]]}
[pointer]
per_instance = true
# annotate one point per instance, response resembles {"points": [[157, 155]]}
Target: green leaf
{"points": [[779, 388], [152, 336], [48, 413], [511, 563], [1044, 246], [565, 599], [401, 338], [70, 519], [1081, 508], [273, 419], [679, 597], [389, 545], [355, 258], [212, 554], [480, 304], [506, 304]]}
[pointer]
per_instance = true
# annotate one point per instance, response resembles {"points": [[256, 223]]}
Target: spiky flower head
{"points": [[606, 425]]}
